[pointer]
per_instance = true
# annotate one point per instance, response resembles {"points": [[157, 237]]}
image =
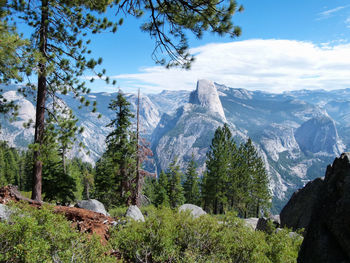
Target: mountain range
{"points": [[297, 133]]}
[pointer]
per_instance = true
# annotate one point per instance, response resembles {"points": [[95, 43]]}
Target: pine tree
{"points": [[191, 183], [149, 189], [106, 186], [57, 184], [27, 158], [175, 190], [121, 153], [162, 198], [13, 58], [218, 163], [170, 20], [9, 165], [59, 49], [258, 187]]}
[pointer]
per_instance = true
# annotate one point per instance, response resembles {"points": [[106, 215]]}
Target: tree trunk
{"points": [[40, 105], [87, 190], [137, 194], [216, 206], [258, 209], [64, 159]]}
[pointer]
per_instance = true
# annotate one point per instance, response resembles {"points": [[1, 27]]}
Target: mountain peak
{"points": [[207, 96]]}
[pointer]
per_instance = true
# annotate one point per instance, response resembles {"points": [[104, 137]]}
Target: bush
{"points": [[39, 235], [118, 211], [168, 236]]}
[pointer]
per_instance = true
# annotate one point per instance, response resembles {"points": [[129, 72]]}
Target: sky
{"points": [[285, 45]]}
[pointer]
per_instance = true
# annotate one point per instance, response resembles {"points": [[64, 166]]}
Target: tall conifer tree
{"points": [[59, 47], [191, 183], [218, 161], [162, 198], [259, 198], [175, 189], [121, 153]]}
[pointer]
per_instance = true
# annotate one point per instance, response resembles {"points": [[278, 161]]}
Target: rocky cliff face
{"points": [[13, 131], [319, 135], [207, 97], [95, 130], [191, 129], [322, 207]]}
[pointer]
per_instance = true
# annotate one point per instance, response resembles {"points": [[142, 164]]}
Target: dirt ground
{"points": [[84, 220]]}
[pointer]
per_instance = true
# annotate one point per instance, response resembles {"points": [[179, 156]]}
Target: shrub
{"points": [[168, 236], [39, 235], [118, 211]]}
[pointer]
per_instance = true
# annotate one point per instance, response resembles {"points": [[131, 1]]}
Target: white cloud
{"points": [[347, 22], [270, 65], [330, 12]]}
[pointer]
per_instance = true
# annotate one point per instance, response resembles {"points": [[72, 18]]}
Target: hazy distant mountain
{"points": [[297, 133]]}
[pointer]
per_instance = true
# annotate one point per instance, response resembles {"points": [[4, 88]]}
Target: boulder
{"points": [[276, 220], [196, 211], [325, 216], [297, 212], [5, 213], [251, 222], [135, 213], [92, 205]]}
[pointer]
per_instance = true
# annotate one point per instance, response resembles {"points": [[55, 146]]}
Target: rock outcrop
{"points": [[267, 224], [251, 222], [134, 213], [196, 211], [92, 205], [5, 213], [327, 218], [206, 95], [319, 135], [297, 212]]}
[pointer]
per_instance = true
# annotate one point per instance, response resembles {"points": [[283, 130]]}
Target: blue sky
{"points": [[285, 45]]}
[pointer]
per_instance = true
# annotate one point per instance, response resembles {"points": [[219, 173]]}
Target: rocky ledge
{"points": [[322, 207]]}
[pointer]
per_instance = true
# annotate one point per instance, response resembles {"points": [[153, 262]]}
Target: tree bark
{"points": [[40, 105], [64, 159], [137, 197]]}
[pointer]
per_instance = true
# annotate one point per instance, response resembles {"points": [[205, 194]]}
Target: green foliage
{"points": [[118, 211], [162, 198], [191, 184], [218, 162], [170, 20], [257, 180], [16, 169], [174, 188], [13, 167], [284, 247], [116, 171], [105, 185], [82, 174], [57, 184], [169, 236], [13, 58], [39, 235], [236, 177], [149, 189]]}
